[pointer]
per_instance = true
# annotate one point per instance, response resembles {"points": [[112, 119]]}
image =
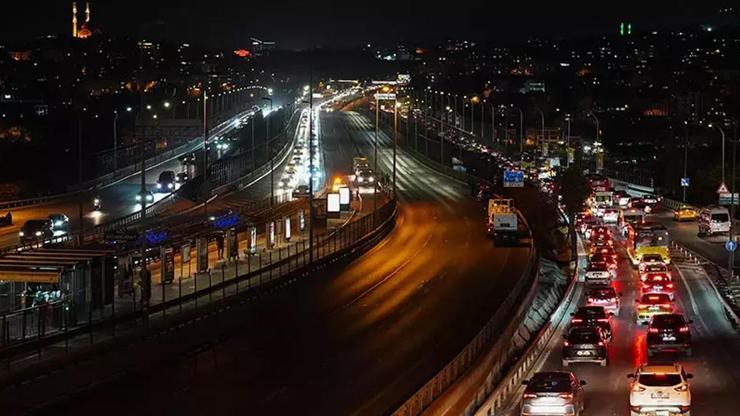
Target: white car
{"points": [[611, 216], [660, 390]]}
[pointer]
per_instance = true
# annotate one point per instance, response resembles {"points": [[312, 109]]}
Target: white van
{"points": [[714, 220]]}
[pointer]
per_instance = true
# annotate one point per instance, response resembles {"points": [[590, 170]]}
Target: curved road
{"points": [[354, 342]]}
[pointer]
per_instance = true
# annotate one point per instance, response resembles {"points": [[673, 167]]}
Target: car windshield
{"points": [[720, 217], [583, 337], [549, 382], [668, 321], [597, 266], [660, 380], [33, 225], [591, 312], [602, 293], [655, 298]]}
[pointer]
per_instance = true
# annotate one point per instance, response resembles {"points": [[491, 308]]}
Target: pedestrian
{"points": [[220, 245]]}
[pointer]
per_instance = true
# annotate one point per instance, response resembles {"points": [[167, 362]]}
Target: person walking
{"points": [[220, 245]]}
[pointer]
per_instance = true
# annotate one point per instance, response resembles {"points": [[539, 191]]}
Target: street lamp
{"points": [[269, 151], [521, 131], [115, 141], [542, 116]]}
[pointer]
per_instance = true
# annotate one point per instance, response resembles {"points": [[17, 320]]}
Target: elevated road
{"points": [[357, 340]]}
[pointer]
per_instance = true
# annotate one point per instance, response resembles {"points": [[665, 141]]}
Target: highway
{"points": [[357, 340], [118, 199], [714, 364]]}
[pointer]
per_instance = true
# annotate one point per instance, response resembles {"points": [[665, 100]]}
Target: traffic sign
{"points": [[722, 189], [513, 179], [727, 199], [685, 182], [385, 96], [731, 246]]}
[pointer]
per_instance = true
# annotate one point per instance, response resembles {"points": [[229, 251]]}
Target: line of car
{"points": [[656, 389]]}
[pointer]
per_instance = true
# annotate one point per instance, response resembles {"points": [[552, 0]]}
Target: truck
{"points": [[502, 221]]}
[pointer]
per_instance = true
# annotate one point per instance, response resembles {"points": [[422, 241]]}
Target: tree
{"points": [[574, 190]]}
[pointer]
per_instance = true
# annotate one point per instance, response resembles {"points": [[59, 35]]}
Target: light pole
{"points": [[115, 142], [395, 140], [521, 130], [269, 155], [493, 123], [722, 132], [375, 158], [542, 116], [567, 141], [598, 130]]}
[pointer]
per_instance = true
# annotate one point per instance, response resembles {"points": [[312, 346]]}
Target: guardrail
{"points": [[33, 330], [500, 396], [114, 177]]}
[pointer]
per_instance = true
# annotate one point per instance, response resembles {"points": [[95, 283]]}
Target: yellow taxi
{"points": [[685, 213]]}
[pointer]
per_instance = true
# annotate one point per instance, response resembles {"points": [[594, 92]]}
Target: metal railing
{"points": [[46, 330]]}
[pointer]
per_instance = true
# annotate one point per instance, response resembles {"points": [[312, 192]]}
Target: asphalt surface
{"points": [[715, 368], [354, 342]]}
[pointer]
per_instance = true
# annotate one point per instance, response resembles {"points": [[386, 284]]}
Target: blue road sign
{"points": [[513, 179], [731, 246], [685, 182]]}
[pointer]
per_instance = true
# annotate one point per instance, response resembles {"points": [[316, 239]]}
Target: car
{"points": [[658, 283], [584, 344], [36, 230], [188, 159], [652, 304], [611, 215], [649, 272], [622, 198], [598, 273], [166, 181], [639, 203], [611, 262], [606, 297], [669, 332], [365, 177], [552, 393], [685, 213], [147, 196], [59, 222], [660, 390], [593, 316], [649, 259], [181, 178], [588, 226], [301, 191], [6, 219], [600, 232], [652, 199], [607, 252]]}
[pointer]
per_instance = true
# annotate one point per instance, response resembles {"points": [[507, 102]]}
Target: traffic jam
{"points": [[630, 311]]}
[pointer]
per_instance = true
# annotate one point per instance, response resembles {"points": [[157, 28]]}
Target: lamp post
{"points": [[269, 155], [598, 130], [115, 142], [521, 130], [493, 123], [542, 116], [722, 132]]}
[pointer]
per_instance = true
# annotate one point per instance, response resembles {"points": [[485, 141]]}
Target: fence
{"points": [[48, 329]]}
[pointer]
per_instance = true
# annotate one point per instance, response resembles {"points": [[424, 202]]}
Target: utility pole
{"points": [[732, 200], [79, 176], [206, 191], [310, 168], [115, 142], [377, 127]]}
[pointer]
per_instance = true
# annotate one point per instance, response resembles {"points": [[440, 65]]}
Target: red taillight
{"points": [[566, 396], [658, 278], [603, 319], [669, 285], [530, 396], [566, 343], [684, 329], [643, 277], [653, 330], [665, 305], [576, 320], [641, 306], [682, 388], [601, 343]]}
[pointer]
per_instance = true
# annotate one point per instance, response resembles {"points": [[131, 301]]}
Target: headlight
{"points": [[170, 185], [96, 201], [372, 179], [21, 233], [138, 197], [159, 185], [38, 233], [58, 223]]}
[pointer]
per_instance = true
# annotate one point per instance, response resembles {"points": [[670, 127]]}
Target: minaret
{"points": [[74, 19], [87, 12]]}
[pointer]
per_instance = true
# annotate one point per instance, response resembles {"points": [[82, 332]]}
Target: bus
{"points": [[647, 238]]}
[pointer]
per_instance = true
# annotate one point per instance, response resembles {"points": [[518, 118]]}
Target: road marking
{"points": [[391, 274], [692, 300]]}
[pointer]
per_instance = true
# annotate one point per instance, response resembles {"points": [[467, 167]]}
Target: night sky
{"points": [[302, 24]]}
